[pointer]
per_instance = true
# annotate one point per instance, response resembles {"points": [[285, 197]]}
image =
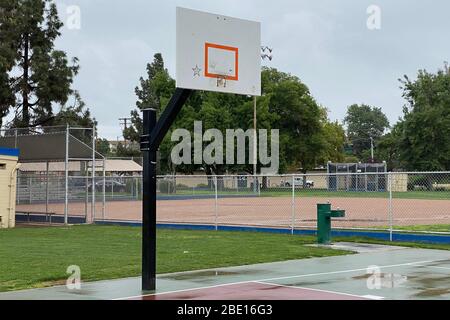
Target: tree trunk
{"points": [[25, 85], [210, 179], [265, 183]]}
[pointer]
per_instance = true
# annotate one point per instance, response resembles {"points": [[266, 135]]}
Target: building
{"points": [[8, 170], [113, 167]]}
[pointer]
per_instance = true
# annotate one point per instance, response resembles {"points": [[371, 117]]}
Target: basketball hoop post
{"points": [[148, 204], [255, 147], [214, 53], [153, 134]]}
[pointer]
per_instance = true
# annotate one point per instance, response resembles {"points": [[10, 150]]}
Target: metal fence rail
{"points": [[397, 201]]}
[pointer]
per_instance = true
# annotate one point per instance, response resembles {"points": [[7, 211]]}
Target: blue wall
{"points": [[9, 152]]}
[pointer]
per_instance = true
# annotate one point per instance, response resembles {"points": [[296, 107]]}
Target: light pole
{"points": [[266, 53], [371, 148], [372, 156]]}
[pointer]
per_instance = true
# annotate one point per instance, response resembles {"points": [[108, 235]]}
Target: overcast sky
{"points": [[326, 43]]}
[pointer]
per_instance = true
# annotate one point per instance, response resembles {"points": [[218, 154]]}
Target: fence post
{"points": [[66, 178], [29, 190], [18, 186], [136, 188], [293, 205], [390, 206], [46, 187], [112, 189], [86, 198], [94, 167], [103, 191], [215, 203]]}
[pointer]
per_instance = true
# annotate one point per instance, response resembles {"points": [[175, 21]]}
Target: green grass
{"points": [[425, 228], [419, 228], [401, 244], [38, 257], [319, 193]]}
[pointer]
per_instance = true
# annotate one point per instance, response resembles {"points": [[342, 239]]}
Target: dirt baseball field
{"points": [[268, 211]]}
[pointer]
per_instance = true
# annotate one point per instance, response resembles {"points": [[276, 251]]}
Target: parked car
{"points": [[77, 182], [298, 183], [110, 186]]}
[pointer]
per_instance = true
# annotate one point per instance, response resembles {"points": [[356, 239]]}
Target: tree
{"points": [[102, 147], [152, 92], [388, 148], [7, 58], [34, 74], [73, 115], [306, 136], [221, 111], [334, 137], [363, 123], [155, 92], [299, 117], [425, 128], [123, 151]]}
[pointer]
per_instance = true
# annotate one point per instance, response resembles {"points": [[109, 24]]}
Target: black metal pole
{"points": [[149, 205], [153, 134]]}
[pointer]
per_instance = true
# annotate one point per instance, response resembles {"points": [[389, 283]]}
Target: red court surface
{"points": [[251, 291]]}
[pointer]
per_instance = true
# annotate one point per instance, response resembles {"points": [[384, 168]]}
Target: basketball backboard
{"points": [[218, 53]]}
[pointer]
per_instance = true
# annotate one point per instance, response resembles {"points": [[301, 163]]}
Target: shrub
{"points": [[166, 186], [420, 182]]}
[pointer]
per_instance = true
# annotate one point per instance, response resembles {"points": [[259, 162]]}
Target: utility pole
{"points": [[124, 122]]}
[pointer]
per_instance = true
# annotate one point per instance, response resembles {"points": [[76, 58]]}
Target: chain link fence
{"points": [[398, 201]]}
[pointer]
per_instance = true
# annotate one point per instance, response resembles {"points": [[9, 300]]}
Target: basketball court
{"points": [[223, 54], [405, 273]]}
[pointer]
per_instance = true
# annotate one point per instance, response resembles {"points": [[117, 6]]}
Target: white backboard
{"points": [[218, 53]]}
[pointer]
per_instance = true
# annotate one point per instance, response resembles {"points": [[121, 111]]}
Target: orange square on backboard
{"points": [[208, 74]]}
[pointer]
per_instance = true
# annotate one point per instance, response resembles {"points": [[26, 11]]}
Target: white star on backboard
{"points": [[197, 71]]}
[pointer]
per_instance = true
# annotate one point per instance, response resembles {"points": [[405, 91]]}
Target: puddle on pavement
{"points": [[429, 285], [366, 276], [305, 283], [430, 293], [79, 292], [440, 263], [209, 275]]}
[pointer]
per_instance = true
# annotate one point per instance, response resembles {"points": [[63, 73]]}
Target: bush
{"points": [[166, 186], [420, 182]]}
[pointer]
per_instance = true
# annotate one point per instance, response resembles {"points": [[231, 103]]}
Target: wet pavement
{"points": [[378, 272]]}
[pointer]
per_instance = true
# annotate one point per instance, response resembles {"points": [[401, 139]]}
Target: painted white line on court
{"points": [[347, 271], [279, 278], [436, 267], [184, 290], [371, 297], [310, 289]]}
